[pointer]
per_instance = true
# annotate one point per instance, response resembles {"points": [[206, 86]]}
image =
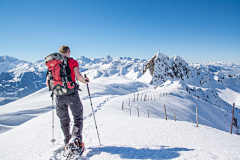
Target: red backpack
{"points": [[59, 74]]}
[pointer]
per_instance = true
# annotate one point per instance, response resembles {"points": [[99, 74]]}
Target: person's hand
{"points": [[87, 80]]}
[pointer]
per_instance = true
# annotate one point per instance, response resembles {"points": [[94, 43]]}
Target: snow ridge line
{"points": [[153, 98], [134, 106], [144, 98]]}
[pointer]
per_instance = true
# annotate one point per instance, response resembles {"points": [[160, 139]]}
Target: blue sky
{"points": [[197, 30]]}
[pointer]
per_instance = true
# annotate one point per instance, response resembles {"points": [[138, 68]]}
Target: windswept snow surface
{"points": [[122, 136]]}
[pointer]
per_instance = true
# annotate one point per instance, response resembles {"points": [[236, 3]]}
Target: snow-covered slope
{"points": [[24, 109], [124, 136]]}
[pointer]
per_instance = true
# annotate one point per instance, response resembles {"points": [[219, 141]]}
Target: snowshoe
{"points": [[73, 150]]}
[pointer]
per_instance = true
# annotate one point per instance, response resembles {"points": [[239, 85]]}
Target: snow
{"points": [[26, 124], [29, 124], [230, 96], [225, 67], [146, 77]]}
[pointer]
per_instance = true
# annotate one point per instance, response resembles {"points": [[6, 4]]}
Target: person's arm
{"points": [[79, 76], [47, 82]]}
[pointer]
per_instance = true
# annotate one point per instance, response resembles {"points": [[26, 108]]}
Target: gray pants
{"points": [[73, 101]]}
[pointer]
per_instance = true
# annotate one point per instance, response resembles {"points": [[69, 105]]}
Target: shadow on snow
{"points": [[17, 118], [133, 153]]}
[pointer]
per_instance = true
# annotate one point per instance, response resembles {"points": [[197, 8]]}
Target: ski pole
{"points": [[93, 111], [53, 140]]}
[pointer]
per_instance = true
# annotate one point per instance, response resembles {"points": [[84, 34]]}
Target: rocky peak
{"points": [[163, 68], [150, 65]]}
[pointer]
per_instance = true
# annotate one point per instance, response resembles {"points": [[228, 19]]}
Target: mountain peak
{"points": [[163, 68], [161, 54], [8, 58]]}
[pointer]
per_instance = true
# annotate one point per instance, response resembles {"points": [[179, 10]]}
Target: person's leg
{"points": [[62, 113], [77, 112]]}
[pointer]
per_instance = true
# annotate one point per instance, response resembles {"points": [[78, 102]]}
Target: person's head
{"points": [[64, 50]]}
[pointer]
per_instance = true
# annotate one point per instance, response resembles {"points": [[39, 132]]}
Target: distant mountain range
{"points": [[20, 78]]}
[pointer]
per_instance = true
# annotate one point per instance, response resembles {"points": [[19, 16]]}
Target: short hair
{"points": [[64, 49]]}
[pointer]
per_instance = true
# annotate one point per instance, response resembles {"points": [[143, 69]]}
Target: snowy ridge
{"points": [[7, 63], [105, 67], [223, 67], [218, 63]]}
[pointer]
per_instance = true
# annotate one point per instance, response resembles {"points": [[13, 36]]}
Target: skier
{"points": [[73, 101]]}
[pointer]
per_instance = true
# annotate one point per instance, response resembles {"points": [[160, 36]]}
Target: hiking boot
{"points": [[74, 149], [76, 145]]}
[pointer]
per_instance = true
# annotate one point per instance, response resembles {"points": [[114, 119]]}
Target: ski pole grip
{"points": [[85, 76]]}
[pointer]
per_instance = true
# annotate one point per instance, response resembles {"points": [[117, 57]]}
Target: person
{"points": [[72, 100]]}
